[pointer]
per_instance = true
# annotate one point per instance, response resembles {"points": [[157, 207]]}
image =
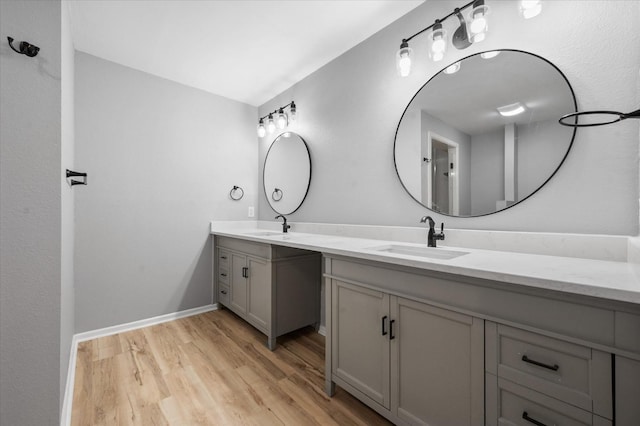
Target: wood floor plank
{"points": [[208, 369]]}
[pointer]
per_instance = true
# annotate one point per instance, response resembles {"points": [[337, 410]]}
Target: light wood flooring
{"points": [[208, 369]]}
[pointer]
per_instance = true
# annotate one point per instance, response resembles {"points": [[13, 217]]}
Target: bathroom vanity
{"points": [[468, 337], [274, 288]]}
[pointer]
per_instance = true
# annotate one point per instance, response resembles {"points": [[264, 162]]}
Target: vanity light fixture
{"points": [[490, 54], [453, 68], [530, 8], [511, 109], [463, 37], [281, 120]]}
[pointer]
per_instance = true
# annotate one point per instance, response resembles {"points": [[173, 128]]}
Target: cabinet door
{"points": [[437, 359], [360, 350], [238, 299], [627, 391], [259, 297]]}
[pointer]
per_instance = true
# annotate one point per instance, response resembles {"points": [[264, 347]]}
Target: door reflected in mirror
{"points": [[287, 173], [486, 137]]}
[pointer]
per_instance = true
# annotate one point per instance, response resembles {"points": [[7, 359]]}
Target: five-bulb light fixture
{"points": [[464, 36], [277, 119]]}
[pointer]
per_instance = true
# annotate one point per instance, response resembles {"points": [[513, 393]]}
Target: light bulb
{"points": [[282, 119], [530, 8], [453, 68], [403, 59], [261, 130], [293, 112], [271, 126], [437, 42], [479, 24]]}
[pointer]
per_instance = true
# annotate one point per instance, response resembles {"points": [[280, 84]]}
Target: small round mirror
{"points": [[287, 173], [483, 135]]}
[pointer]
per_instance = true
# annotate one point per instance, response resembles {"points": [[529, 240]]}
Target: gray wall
{"points": [[161, 159], [68, 137], [30, 215], [350, 108], [487, 171]]}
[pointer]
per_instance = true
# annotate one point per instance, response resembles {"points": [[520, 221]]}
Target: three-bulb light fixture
{"points": [[277, 119], [464, 36]]}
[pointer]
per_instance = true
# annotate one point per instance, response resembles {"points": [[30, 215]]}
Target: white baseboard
{"points": [[65, 417], [322, 330]]}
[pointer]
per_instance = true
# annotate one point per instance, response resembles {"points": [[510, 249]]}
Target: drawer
{"points": [[575, 374], [223, 295], [223, 259], [520, 406], [223, 275]]}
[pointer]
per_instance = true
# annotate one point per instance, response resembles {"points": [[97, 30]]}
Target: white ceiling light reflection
{"points": [[511, 109]]}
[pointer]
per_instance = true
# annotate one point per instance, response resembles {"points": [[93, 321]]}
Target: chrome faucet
{"points": [[433, 236], [285, 227]]}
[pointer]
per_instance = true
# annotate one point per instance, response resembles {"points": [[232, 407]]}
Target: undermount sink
{"points": [[430, 252], [263, 233]]}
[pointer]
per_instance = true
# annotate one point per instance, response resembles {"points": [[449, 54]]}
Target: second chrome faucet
{"points": [[433, 236]]}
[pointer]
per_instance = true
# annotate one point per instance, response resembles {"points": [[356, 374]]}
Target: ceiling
{"points": [[248, 51]]}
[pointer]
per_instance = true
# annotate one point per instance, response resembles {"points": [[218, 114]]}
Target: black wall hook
{"points": [[25, 48], [71, 173]]}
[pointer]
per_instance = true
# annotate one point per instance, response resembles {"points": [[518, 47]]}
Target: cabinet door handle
{"points": [[525, 416], [391, 336], [224, 275], [245, 272], [553, 367], [223, 257], [223, 291], [384, 320]]}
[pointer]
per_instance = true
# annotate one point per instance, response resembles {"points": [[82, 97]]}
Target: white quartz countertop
{"points": [[597, 278]]}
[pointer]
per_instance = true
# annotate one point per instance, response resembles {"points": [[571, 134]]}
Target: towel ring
{"points": [[236, 193], [612, 117], [276, 195]]}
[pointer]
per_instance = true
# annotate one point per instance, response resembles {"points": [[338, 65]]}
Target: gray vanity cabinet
{"points": [[250, 288], [360, 340], [275, 289], [419, 364]]}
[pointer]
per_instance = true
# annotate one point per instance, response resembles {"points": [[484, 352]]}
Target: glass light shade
{"points": [[453, 68], [293, 112], [530, 8], [479, 23], [281, 120], [437, 43], [403, 60], [271, 126], [261, 130]]}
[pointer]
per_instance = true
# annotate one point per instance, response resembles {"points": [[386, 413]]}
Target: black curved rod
{"points": [[616, 117]]}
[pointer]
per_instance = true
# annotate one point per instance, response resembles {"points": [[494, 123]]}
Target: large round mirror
{"points": [[287, 173], [483, 133]]}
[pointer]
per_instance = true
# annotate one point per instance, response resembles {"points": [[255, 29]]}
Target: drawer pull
{"points": [[525, 416], [391, 336], [224, 275], [384, 320], [223, 291], [245, 272], [223, 257], [554, 367]]}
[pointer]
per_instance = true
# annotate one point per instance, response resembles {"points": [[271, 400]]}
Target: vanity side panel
{"points": [[297, 293], [485, 299], [627, 385]]}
